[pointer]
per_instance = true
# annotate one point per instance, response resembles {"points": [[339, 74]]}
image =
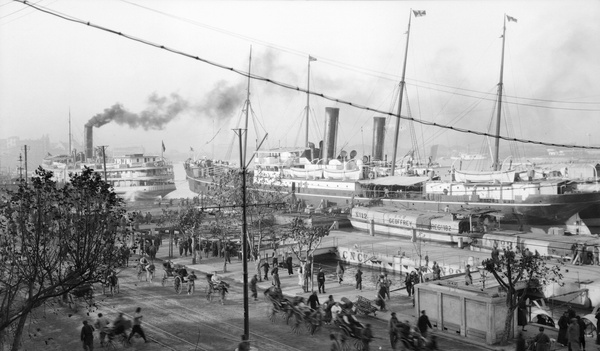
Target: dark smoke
{"points": [[223, 100], [160, 111]]}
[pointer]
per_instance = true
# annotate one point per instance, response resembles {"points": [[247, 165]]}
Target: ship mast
{"points": [[496, 164], [247, 110], [400, 95], [310, 59], [70, 152]]}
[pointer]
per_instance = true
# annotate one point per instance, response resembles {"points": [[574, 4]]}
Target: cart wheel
{"points": [[271, 313], [177, 284]]}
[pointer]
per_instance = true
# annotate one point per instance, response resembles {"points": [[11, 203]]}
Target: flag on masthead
{"points": [[511, 19], [419, 13]]}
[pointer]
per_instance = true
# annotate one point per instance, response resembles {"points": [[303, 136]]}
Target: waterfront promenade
{"points": [[376, 245]]}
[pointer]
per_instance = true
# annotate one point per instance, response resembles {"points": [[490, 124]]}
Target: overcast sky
{"points": [[50, 66]]}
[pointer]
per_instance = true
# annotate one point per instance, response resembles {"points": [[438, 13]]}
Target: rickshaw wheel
{"points": [[177, 284]]}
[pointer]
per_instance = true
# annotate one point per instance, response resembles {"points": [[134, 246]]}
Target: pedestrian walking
{"points": [[597, 324], [265, 267], [301, 279], [542, 341], [468, 277], [495, 254], [358, 277], [307, 270], [387, 283], [321, 281], [275, 275], [87, 336], [313, 301], [423, 323], [288, 263], [191, 284], [137, 325], [573, 335], [275, 259], [381, 297], [227, 254], [408, 282], [102, 326], [582, 327], [253, 289], [393, 330], [181, 246], [563, 325], [340, 272], [189, 246], [436, 271]]}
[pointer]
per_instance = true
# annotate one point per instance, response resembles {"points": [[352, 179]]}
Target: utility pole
{"points": [[103, 147], [20, 167], [244, 238], [25, 148]]}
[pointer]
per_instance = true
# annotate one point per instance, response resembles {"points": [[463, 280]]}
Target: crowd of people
{"points": [[110, 332]]}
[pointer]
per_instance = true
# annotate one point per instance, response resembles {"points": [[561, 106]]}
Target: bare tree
{"points": [[516, 273], [306, 238], [262, 201], [54, 239]]}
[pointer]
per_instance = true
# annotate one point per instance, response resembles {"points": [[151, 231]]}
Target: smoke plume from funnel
{"points": [[221, 102], [160, 111]]}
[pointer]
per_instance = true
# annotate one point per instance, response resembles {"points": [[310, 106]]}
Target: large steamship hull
{"points": [[523, 205], [535, 212]]}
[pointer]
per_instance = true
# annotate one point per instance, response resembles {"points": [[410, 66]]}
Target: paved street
{"points": [[184, 322]]}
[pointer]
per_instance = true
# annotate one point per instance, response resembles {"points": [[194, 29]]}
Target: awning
{"points": [[395, 180]]}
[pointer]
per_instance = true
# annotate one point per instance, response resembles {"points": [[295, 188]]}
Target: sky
{"points": [[139, 95]]}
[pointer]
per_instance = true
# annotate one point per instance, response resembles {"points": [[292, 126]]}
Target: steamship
{"points": [[134, 177], [313, 177], [325, 178]]}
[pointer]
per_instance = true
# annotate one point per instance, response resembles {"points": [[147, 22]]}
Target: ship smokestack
{"points": [[330, 139], [89, 141], [378, 138]]}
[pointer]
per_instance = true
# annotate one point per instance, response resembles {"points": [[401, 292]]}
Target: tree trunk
{"points": [[19, 332], [508, 325]]}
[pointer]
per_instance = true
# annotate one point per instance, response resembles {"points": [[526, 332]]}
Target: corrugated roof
{"points": [[395, 180]]}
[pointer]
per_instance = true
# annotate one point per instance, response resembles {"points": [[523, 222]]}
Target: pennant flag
{"points": [[511, 19], [191, 149], [310, 58], [419, 13], [163, 146]]}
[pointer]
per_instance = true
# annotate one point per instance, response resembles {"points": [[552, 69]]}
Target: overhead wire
{"points": [[296, 88]]}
